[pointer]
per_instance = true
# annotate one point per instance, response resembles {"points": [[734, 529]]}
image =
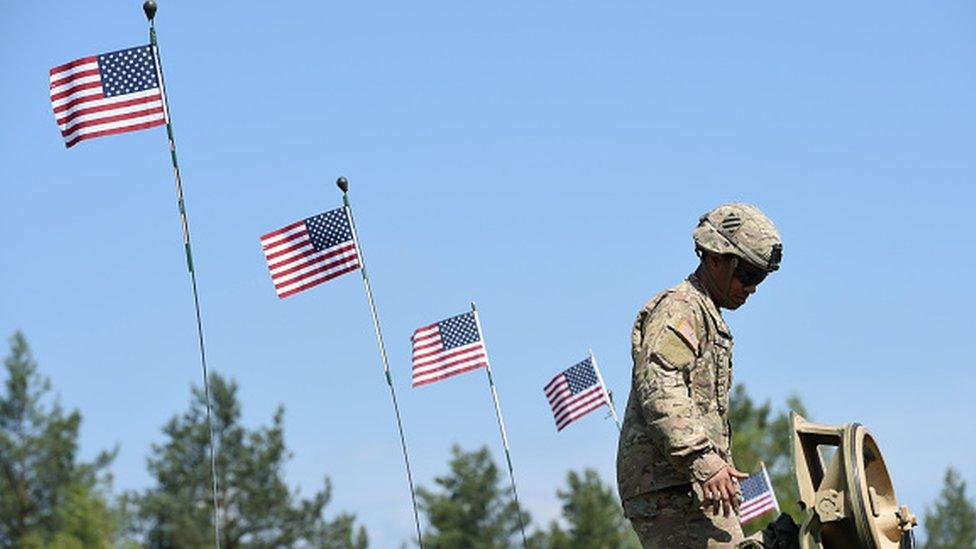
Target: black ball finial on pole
{"points": [[343, 184], [149, 6]]}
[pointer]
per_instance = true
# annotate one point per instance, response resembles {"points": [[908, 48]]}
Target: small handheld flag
{"points": [[757, 496], [310, 252], [447, 348], [106, 94], [575, 392]]}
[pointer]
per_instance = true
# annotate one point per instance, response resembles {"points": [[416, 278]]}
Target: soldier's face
{"points": [[739, 293], [745, 279], [742, 280]]}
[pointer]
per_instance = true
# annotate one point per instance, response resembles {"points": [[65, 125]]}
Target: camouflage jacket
{"points": [[676, 427]]}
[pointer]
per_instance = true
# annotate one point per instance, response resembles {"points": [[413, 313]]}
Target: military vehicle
{"points": [[846, 494]]}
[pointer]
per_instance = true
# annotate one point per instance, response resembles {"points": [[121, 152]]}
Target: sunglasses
{"points": [[749, 275]]}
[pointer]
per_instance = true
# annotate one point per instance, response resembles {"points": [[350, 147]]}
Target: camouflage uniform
{"points": [[676, 429], [676, 432]]}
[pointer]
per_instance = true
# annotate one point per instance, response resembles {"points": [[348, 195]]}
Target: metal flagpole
{"points": [[606, 394], [149, 7], [501, 425], [343, 185]]}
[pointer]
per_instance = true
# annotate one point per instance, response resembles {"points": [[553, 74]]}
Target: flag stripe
{"points": [[91, 75], [756, 503], [578, 414], [308, 285], [757, 510], [450, 373], [451, 359], [442, 355], [88, 100], [110, 128], [319, 271], [423, 331], [472, 355], [283, 269], [555, 387], [73, 66], [285, 240], [74, 88], [568, 406], [269, 239], [421, 351], [563, 399], [113, 131], [91, 108], [140, 113]]}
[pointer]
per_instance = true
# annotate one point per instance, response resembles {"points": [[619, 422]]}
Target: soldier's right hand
{"points": [[720, 491]]}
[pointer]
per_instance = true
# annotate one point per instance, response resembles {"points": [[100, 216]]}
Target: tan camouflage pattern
{"points": [[676, 432], [675, 428], [671, 519], [743, 231]]}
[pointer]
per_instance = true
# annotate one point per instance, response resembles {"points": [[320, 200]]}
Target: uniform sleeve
{"points": [[668, 344]]}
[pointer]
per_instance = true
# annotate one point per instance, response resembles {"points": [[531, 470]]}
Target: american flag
{"points": [[447, 348], [574, 393], [757, 496], [105, 94], [310, 252]]}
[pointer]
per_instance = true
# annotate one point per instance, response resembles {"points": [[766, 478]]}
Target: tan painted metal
{"points": [[845, 491]]}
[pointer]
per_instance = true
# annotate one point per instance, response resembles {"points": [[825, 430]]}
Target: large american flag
{"points": [[757, 496], [310, 252], [575, 392], [105, 94], [447, 348]]}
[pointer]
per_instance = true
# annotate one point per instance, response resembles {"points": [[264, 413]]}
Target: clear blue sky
{"points": [[547, 160]]}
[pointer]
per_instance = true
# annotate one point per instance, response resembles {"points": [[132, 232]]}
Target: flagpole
{"points": [[770, 484], [149, 7], [501, 425], [606, 394], [343, 185]]}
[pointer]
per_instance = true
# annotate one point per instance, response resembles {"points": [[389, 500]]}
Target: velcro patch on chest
{"points": [[687, 333]]}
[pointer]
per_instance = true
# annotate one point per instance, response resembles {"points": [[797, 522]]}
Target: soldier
{"points": [[677, 482]]}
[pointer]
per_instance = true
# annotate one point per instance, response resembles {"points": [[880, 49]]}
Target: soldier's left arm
{"points": [[668, 349]]}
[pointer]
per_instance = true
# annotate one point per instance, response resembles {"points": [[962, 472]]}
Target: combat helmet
{"points": [[743, 231]]}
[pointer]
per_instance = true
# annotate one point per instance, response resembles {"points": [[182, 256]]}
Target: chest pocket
{"points": [[723, 369]]}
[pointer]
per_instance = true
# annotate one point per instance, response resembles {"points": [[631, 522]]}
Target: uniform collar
{"points": [[713, 310]]}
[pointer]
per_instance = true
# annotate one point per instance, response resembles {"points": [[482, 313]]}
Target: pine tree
{"points": [[257, 508], [593, 516], [951, 522], [48, 498], [471, 510]]}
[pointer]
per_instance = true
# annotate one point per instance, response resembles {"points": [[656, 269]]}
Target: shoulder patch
{"points": [[687, 333]]}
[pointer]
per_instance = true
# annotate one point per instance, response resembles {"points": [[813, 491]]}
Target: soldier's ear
{"points": [[712, 261]]}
